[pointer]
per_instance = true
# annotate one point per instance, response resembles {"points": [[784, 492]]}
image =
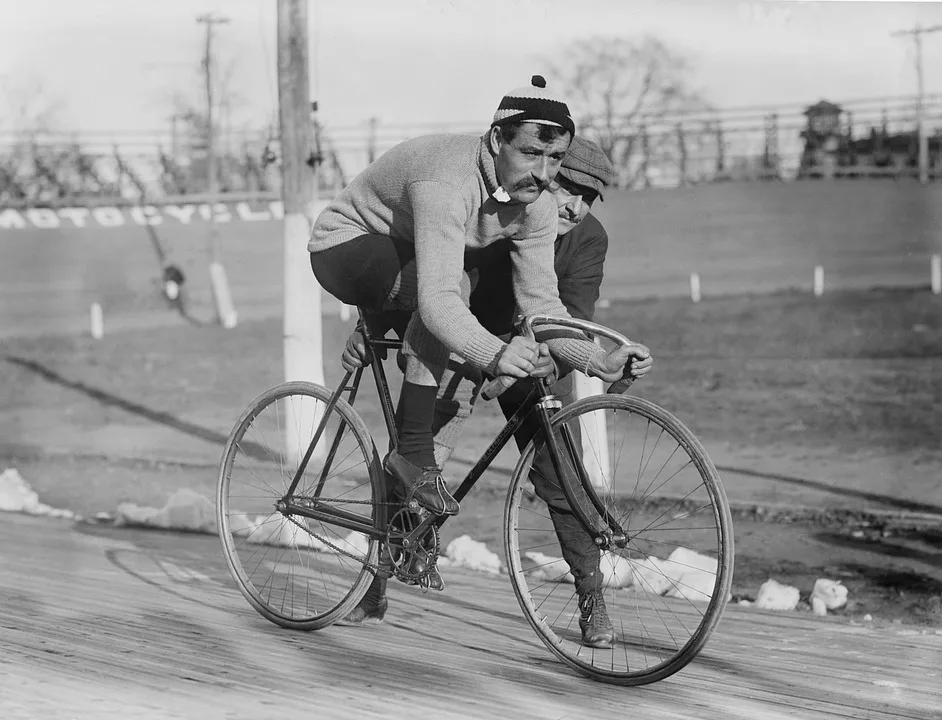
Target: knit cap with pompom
{"points": [[534, 104]]}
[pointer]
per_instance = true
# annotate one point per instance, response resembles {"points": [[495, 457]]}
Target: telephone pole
{"points": [[220, 283], [210, 21], [916, 33], [303, 349]]}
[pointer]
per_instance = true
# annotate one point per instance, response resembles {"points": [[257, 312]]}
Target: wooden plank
{"points": [[100, 623]]}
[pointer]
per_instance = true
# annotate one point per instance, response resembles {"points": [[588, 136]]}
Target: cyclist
{"points": [[580, 250], [395, 239]]}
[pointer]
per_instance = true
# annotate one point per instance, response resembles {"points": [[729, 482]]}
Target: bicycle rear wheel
{"points": [[297, 571], [665, 591]]}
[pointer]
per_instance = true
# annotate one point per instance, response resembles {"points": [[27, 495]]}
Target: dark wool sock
{"points": [[414, 417]]}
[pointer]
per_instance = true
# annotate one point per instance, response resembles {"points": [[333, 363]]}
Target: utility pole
{"points": [[210, 20], [220, 283], [303, 350], [917, 32]]}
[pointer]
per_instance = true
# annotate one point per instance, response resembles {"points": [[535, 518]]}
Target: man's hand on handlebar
{"points": [[524, 357], [611, 366]]}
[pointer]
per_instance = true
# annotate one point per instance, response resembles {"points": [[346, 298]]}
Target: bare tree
{"points": [[26, 107], [622, 91], [27, 112]]}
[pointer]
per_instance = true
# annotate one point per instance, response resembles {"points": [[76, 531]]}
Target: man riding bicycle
{"points": [[395, 239], [580, 250]]}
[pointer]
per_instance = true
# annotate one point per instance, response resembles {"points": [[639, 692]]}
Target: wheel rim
{"points": [[665, 590], [297, 571]]}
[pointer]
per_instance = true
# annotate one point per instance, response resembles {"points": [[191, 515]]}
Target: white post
{"points": [[225, 308], [818, 281], [594, 434], [97, 321], [344, 312], [303, 347], [695, 287], [935, 271], [302, 325]]}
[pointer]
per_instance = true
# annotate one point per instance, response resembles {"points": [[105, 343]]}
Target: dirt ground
{"points": [[823, 416]]}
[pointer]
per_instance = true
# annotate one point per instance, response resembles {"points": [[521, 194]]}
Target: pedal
{"points": [[434, 579]]}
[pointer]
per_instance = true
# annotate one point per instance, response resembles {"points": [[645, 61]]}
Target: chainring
{"points": [[411, 561]]}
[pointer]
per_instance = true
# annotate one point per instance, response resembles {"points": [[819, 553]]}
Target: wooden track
{"points": [[100, 623]]}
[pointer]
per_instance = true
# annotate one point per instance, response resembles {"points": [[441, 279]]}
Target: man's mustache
{"points": [[528, 184]]}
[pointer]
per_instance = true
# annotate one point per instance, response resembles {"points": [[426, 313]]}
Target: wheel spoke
{"points": [[296, 571], [670, 499]]}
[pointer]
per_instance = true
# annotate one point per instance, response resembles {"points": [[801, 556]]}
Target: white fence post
{"points": [[935, 271], [594, 434], [228, 317], [695, 287], [97, 321], [818, 281]]}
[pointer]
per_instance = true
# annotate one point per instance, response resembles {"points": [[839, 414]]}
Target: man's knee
{"points": [[420, 343]]}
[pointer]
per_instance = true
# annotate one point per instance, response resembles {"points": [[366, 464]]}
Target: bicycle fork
{"points": [[576, 484]]}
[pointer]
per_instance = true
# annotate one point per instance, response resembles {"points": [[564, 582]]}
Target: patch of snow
{"points": [[17, 496], [274, 530], [773, 595], [649, 576], [616, 570], [466, 552], [548, 568], [830, 592], [185, 510], [692, 575]]}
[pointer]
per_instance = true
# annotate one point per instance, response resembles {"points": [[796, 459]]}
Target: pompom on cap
{"points": [[538, 81]]}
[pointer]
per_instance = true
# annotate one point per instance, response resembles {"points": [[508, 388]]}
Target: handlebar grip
{"points": [[495, 387], [619, 386]]}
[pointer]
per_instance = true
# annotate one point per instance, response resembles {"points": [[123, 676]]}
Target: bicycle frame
{"points": [[539, 400]]}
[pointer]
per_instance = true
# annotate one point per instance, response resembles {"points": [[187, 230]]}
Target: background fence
{"points": [[869, 137]]}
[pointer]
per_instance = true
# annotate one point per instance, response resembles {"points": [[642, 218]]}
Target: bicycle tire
{"points": [[273, 556], [640, 586]]}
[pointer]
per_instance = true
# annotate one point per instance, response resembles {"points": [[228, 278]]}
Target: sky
{"points": [[110, 65]]}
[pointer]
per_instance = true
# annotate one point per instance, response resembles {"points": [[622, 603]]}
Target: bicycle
{"points": [[305, 519]]}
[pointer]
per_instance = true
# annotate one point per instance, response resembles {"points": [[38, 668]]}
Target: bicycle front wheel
{"points": [[302, 559], [665, 591]]}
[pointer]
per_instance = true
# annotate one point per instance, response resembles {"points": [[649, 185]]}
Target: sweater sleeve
{"points": [[440, 216], [537, 292]]}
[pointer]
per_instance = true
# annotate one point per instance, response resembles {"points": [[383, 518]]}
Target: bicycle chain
{"points": [[328, 543], [374, 568]]}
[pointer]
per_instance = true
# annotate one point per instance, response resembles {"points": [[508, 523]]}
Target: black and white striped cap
{"points": [[534, 104]]}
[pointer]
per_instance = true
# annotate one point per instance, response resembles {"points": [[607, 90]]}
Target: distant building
{"points": [[831, 150]]}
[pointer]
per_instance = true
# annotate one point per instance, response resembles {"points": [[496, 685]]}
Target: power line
{"points": [[917, 32], [210, 20], [225, 311]]}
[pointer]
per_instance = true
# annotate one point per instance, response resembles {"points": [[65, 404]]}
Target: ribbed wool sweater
{"points": [[438, 191]]}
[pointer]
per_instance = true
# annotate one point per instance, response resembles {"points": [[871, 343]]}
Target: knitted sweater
{"points": [[438, 192], [580, 260]]}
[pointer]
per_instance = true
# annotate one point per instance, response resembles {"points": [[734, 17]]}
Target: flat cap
{"points": [[586, 164]]}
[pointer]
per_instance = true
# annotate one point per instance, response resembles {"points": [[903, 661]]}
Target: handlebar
{"points": [[495, 387]]}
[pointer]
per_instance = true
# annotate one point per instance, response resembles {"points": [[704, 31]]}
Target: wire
{"points": [[270, 62]]}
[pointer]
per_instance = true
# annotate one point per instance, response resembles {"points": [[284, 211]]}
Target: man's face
{"points": [[572, 202], [527, 165]]}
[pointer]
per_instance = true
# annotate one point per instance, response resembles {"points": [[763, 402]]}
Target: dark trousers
{"points": [[579, 550]]}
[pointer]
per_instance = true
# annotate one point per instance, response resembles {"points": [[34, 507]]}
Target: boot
{"points": [[597, 630], [424, 484], [372, 608]]}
